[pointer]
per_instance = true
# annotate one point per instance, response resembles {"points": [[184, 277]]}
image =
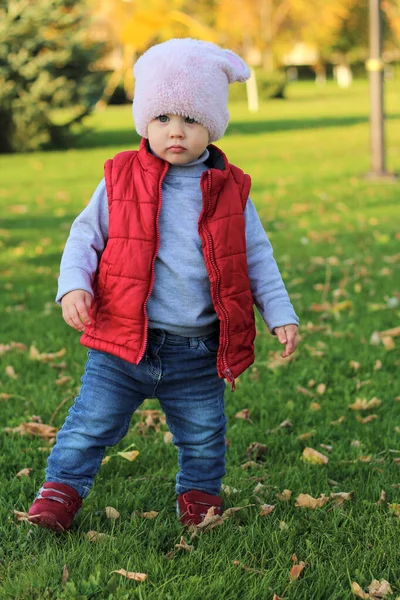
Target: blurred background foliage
{"points": [[59, 60]]}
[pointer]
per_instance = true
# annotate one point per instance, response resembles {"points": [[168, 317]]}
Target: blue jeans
{"points": [[181, 372]]}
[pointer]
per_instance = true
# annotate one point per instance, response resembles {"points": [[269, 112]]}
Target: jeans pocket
{"points": [[210, 344]]}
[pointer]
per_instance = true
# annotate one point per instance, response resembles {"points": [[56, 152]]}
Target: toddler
{"points": [[160, 273]]}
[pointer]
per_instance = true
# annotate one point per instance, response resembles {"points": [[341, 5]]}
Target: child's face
{"points": [[177, 139]]}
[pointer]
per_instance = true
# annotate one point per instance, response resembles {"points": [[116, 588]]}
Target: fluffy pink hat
{"points": [[189, 78]]}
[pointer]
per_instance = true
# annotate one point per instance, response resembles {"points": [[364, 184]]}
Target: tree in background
{"points": [[45, 64]]}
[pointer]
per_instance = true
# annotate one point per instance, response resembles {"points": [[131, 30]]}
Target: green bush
{"points": [[269, 85], [45, 59]]}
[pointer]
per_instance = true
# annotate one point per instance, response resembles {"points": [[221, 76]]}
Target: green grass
{"points": [[336, 239]]}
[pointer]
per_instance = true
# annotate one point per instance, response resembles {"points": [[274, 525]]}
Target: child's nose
{"points": [[176, 129]]}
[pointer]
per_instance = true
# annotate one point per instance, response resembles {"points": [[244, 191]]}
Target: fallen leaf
{"points": [[305, 391], [304, 436], [183, 545], [327, 447], [34, 354], [63, 380], [256, 451], [388, 342], [378, 365], [315, 406], [394, 332], [105, 460], [24, 472], [321, 388], [152, 514], [249, 464], [275, 360], [96, 536], [366, 419], [394, 508], [266, 509], [131, 575], [129, 455], [112, 513], [168, 437], [339, 421], [307, 501], [36, 429], [4, 396], [65, 575], [9, 370], [341, 497], [363, 404], [284, 496], [296, 571], [21, 516], [358, 591], [314, 457], [354, 365], [379, 589], [244, 414]]}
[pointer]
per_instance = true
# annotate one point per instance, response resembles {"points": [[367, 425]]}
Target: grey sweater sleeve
{"points": [[269, 292], [85, 244]]}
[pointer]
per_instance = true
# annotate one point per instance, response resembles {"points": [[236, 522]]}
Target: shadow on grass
{"points": [[128, 137]]}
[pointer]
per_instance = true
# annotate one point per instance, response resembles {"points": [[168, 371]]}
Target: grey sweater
{"points": [[180, 301]]}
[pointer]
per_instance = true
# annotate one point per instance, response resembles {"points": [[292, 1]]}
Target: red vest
{"points": [[125, 277]]}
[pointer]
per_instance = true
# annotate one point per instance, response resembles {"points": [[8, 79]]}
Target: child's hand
{"points": [[287, 334], [75, 309]]}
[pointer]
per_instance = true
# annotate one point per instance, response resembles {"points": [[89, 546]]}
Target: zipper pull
{"points": [[230, 378]]}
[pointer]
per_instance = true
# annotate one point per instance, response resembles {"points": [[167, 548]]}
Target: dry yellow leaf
{"points": [[21, 516], [95, 536], [266, 509], [284, 496], [394, 332], [307, 501], [358, 591], [304, 436], [341, 497], [315, 406], [63, 380], [354, 365], [388, 342], [364, 404], [34, 354], [339, 421], [321, 388], [379, 589], [65, 575], [151, 514], [296, 571], [131, 575], [314, 457], [243, 414], [366, 419], [24, 472], [183, 545], [32, 428], [105, 460], [129, 455], [167, 437], [112, 513], [378, 365], [10, 372]]}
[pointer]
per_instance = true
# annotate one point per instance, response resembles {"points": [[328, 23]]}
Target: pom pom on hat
{"points": [[189, 78]]}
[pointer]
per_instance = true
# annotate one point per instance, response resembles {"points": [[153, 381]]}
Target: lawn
{"points": [[336, 238]]}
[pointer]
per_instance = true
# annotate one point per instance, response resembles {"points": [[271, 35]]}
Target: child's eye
{"points": [[162, 118], [190, 121]]}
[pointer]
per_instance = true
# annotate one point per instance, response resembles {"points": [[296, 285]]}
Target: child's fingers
{"points": [[82, 308], [291, 334], [281, 334], [71, 317]]}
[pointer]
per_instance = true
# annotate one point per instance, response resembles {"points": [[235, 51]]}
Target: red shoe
{"points": [[55, 506], [193, 506]]}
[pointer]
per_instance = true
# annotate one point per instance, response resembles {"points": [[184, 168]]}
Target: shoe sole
{"points": [[47, 520]]}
